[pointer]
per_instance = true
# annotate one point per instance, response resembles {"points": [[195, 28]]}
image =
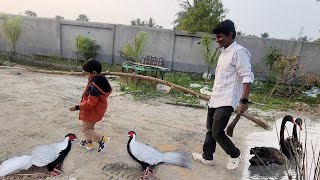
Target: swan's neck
{"points": [[283, 126], [294, 132], [285, 150]]}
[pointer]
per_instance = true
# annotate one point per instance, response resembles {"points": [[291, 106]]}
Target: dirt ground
{"points": [[34, 110]]}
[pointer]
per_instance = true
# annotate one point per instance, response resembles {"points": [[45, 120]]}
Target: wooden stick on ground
{"points": [[148, 78]]}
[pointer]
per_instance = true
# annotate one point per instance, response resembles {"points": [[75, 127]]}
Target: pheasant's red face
{"points": [[72, 137], [131, 133]]}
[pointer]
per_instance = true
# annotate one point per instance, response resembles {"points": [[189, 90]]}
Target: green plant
{"points": [[134, 50], [209, 55], [12, 28], [272, 54], [284, 69], [86, 47]]}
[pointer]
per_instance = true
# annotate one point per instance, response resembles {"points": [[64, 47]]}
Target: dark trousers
{"points": [[217, 121]]}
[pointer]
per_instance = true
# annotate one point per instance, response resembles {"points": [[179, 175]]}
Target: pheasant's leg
{"points": [[146, 173], [52, 174], [57, 170]]}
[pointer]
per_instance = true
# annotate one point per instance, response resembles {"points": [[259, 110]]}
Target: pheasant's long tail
{"points": [[15, 164]]}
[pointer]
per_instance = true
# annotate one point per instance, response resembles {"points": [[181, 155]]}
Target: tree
{"points": [[303, 38], [240, 33], [30, 13], [82, 17], [265, 35], [148, 23], [137, 22], [199, 16], [252, 35], [209, 53], [293, 39], [134, 50], [12, 28], [59, 17]]}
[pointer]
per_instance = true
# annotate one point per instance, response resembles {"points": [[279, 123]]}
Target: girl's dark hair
{"points": [[225, 27], [92, 65]]}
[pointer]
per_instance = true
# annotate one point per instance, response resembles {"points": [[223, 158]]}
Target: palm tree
{"points": [[152, 23], [134, 50], [30, 13], [265, 35], [137, 22], [149, 23]]}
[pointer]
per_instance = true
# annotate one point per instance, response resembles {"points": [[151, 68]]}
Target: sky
{"points": [[282, 19]]}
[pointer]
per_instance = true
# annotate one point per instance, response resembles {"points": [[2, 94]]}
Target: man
{"points": [[233, 77]]}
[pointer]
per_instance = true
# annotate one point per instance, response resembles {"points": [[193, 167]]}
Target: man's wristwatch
{"points": [[244, 101]]}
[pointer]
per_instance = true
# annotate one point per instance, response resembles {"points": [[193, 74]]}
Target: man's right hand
{"points": [[242, 108]]}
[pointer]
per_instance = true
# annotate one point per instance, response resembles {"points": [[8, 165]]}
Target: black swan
{"points": [[293, 142], [270, 155]]}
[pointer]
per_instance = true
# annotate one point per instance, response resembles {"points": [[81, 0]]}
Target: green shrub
{"points": [[86, 47]]}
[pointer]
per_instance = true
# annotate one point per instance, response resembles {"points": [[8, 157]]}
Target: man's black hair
{"points": [[92, 65], [225, 27]]}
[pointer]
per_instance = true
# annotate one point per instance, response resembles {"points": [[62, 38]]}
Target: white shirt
{"points": [[233, 69]]}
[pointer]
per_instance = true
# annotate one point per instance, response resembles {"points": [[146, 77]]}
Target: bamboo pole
{"points": [[259, 122]]}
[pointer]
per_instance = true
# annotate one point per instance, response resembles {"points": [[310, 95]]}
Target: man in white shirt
{"points": [[233, 78]]}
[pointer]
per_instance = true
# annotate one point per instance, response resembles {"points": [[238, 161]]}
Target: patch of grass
{"points": [[56, 60], [73, 62], [143, 90], [140, 90], [111, 68], [184, 80], [268, 103], [191, 100], [3, 58], [53, 62], [280, 99]]}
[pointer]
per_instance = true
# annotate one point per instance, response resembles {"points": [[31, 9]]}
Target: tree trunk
{"points": [[14, 48]]}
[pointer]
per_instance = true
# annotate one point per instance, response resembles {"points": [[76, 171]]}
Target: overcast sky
{"points": [[280, 18]]}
